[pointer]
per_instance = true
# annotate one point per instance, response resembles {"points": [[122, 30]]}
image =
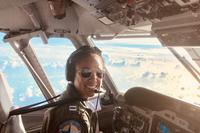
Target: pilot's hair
{"points": [[76, 56]]}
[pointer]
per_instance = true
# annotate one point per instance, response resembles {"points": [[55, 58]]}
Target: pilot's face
{"points": [[89, 75]]}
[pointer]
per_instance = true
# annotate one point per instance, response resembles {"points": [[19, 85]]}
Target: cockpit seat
{"points": [[14, 124]]}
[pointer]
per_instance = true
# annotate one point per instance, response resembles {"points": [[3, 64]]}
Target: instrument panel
{"points": [[131, 119], [141, 110], [161, 125]]}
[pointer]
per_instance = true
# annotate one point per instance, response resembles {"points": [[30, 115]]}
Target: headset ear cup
{"points": [[69, 71]]}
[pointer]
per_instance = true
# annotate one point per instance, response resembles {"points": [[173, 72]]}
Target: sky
{"points": [[151, 66], [138, 62]]}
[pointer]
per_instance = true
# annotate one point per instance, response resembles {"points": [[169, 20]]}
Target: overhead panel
{"points": [[97, 16], [179, 30], [59, 27], [14, 3], [16, 15]]}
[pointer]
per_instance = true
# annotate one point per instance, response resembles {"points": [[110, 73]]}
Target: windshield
{"points": [[144, 62], [53, 58]]}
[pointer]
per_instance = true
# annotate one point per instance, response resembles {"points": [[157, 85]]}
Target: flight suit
{"points": [[69, 118]]}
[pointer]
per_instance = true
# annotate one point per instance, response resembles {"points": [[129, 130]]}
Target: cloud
{"points": [[118, 63], [137, 64], [10, 93], [38, 92], [63, 83], [177, 66], [15, 63], [163, 75], [148, 68], [3, 64], [149, 75], [29, 92], [9, 58], [55, 58], [59, 53], [153, 75], [135, 56], [58, 65], [22, 98]]}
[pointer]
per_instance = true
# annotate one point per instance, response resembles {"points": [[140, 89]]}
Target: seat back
{"points": [[5, 99], [14, 124]]}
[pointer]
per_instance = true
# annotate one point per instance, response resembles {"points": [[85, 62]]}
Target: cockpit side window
{"points": [[23, 88]]}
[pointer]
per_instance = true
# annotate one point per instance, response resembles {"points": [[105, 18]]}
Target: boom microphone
{"points": [[97, 91]]}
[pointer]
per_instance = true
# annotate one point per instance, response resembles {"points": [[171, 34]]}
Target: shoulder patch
{"points": [[70, 126], [73, 108]]}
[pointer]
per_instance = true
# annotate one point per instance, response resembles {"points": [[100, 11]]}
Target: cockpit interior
{"points": [[137, 96]]}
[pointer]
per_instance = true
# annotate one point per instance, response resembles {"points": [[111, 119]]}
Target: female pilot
{"points": [[84, 72]]}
